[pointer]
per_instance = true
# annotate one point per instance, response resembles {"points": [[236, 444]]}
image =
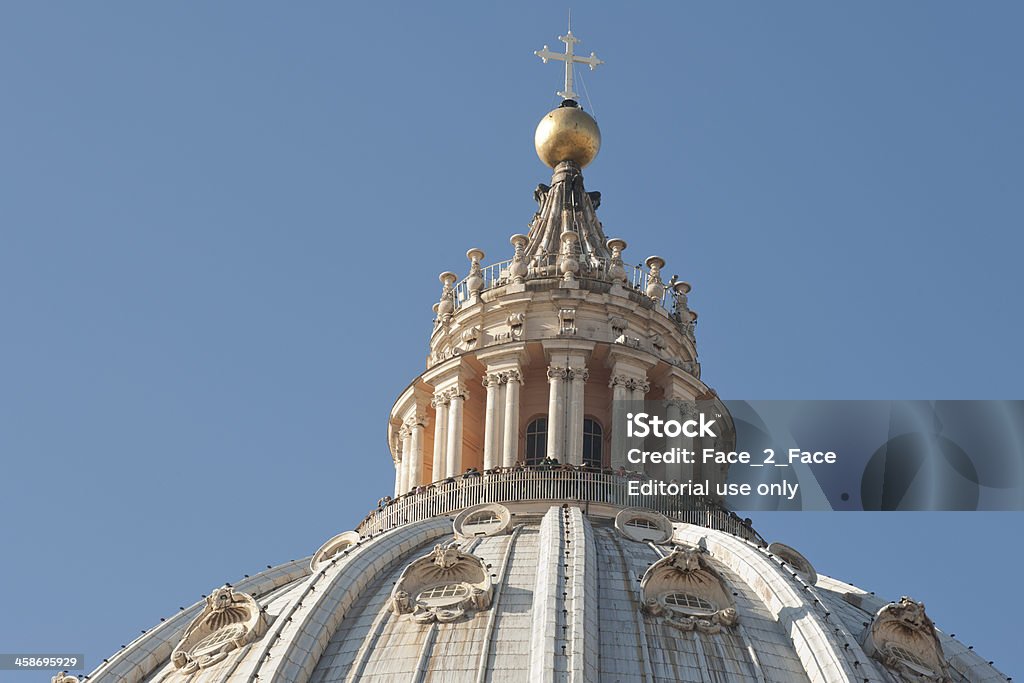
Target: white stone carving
{"points": [[475, 279], [518, 268], [680, 300], [687, 593], [631, 383], [64, 677], [568, 262], [616, 270], [444, 586], [446, 306], [471, 335], [902, 637], [655, 287], [516, 323], [619, 326], [566, 321], [229, 621]]}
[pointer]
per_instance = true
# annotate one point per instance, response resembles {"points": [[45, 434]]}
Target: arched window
{"points": [[592, 440], [536, 441]]}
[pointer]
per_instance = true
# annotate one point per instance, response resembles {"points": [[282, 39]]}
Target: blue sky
{"points": [[222, 227]]}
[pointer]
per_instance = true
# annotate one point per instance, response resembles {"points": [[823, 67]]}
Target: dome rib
{"points": [[565, 205], [307, 628]]}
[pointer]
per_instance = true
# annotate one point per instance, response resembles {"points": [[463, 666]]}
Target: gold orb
{"points": [[567, 134]]}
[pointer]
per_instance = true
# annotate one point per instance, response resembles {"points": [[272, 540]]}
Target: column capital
{"points": [[687, 407], [512, 376], [417, 419], [444, 397], [501, 377], [630, 382], [557, 372], [582, 374]]}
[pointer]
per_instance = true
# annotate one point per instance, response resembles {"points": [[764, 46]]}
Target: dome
{"points": [[532, 591], [567, 133], [514, 548]]}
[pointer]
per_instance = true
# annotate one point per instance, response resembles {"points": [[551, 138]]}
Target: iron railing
{"points": [[554, 485], [591, 268]]}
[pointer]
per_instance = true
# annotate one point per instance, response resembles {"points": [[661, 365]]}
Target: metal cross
{"points": [[569, 58]]}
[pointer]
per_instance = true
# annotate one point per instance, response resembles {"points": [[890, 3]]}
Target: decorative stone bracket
{"points": [[902, 637], [687, 593], [228, 622], [443, 586]]}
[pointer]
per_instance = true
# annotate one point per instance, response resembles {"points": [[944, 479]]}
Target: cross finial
{"points": [[569, 58]]}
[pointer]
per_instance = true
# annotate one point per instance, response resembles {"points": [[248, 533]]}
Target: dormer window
{"points": [[482, 518], [689, 604], [442, 596], [641, 523], [645, 526]]}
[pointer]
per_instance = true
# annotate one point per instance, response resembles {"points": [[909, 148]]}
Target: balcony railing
{"points": [[591, 268], [556, 486]]}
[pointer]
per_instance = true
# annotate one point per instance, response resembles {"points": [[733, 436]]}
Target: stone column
{"points": [[510, 442], [577, 378], [492, 420], [556, 411], [398, 475], [440, 403], [405, 434], [416, 425], [620, 394], [640, 387], [454, 452], [680, 410]]}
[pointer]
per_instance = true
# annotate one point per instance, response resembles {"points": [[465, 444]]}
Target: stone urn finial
{"points": [[689, 323], [655, 287], [517, 269], [569, 264], [679, 291], [475, 279], [446, 306], [616, 271]]}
